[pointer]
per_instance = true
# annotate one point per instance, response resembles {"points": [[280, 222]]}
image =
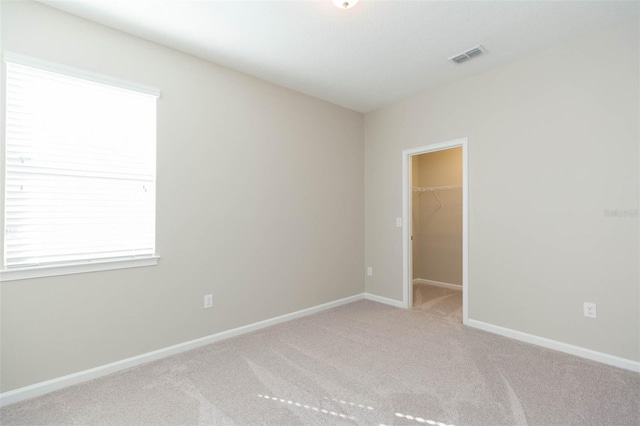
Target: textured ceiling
{"points": [[363, 58]]}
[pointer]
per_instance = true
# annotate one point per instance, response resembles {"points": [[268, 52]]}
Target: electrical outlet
{"points": [[208, 301], [369, 271], [590, 310]]}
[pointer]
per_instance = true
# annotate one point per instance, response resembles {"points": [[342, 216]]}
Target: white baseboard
{"points": [[48, 386], [45, 387], [385, 300], [437, 283], [613, 360]]}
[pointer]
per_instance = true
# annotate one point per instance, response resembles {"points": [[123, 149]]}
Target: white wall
{"points": [[259, 201], [553, 143]]}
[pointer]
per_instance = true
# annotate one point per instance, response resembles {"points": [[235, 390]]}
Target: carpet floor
{"points": [[444, 302], [358, 364]]}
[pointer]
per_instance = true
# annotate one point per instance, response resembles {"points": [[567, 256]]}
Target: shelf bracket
{"points": [[439, 200]]}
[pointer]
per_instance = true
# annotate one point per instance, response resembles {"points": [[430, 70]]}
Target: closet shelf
{"points": [[434, 189]]}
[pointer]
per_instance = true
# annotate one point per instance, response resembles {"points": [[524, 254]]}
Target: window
{"points": [[80, 167]]}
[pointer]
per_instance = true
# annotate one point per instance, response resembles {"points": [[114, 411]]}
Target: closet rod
{"points": [[435, 188]]}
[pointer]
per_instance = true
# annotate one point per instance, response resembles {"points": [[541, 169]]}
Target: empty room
{"points": [[320, 212]]}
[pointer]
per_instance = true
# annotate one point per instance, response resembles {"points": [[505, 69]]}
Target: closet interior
{"points": [[437, 231]]}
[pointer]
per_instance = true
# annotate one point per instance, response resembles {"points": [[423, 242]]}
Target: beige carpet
{"points": [[445, 302], [358, 364]]}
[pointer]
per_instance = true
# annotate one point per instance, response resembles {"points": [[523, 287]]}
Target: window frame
{"points": [[70, 267]]}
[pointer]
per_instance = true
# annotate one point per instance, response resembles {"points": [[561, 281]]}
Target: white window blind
{"points": [[80, 169]]}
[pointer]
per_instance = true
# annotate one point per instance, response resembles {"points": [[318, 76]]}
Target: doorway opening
{"points": [[435, 237]]}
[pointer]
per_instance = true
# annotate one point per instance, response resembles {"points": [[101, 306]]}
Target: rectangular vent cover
{"points": [[468, 54]]}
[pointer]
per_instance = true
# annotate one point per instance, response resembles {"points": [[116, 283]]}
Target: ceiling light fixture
{"points": [[345, 4]]}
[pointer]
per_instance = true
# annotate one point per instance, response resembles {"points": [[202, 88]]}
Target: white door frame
{"points": [[407, 249]]}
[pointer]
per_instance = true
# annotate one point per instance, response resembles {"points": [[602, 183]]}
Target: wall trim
{"points": [[437, 283], [76, 268], [407, 252], [581, 352], [42, 388], [30, 61], [384, 300], [38, 389]]}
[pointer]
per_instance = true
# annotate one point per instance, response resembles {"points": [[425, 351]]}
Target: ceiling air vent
{"points": [[468, 54]]}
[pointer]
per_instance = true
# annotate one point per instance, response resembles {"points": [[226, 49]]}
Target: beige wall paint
{"points": [[553, 143], [259, 201], [437, 231]]}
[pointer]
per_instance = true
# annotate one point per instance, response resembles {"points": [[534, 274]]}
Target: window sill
{"points": [[75, 268]]}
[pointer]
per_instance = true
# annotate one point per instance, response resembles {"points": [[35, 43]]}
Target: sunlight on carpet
{"points": [[350, 404]]}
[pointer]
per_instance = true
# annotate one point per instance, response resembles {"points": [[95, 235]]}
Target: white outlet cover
{"points": [[208, 301], [590, 310]]}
